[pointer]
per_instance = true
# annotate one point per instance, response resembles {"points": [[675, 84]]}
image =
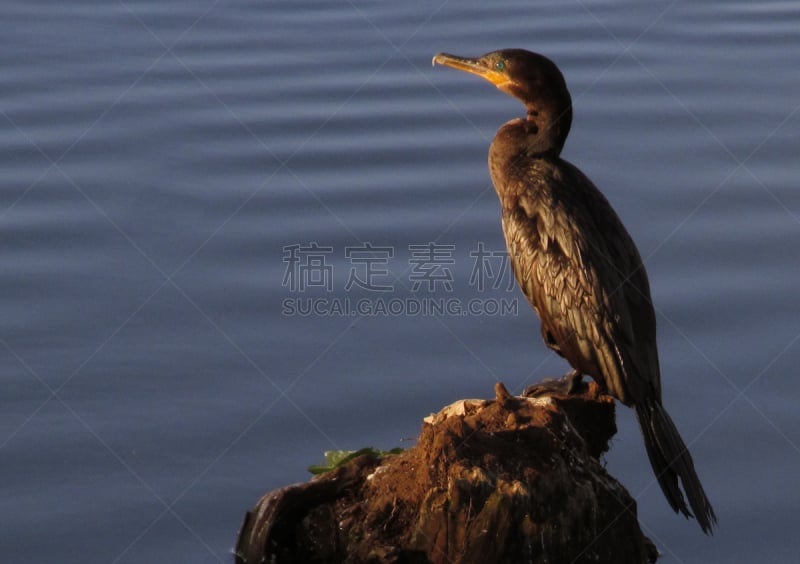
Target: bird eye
{"points": [[500, 65]]}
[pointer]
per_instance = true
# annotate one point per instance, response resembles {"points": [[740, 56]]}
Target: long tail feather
{"points": [[671, 460]]}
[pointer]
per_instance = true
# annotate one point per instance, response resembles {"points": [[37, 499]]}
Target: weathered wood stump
{"points": [[512, 479]]}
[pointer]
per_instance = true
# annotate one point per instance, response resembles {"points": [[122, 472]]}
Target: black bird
{"points": [[576, 263]]}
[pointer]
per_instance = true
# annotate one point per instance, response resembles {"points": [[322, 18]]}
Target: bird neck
{"points": [[552, 127], [531, 137], [517, 148]]}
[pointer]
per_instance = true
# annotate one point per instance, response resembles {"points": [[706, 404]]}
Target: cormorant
{"points": [[576, 263]]}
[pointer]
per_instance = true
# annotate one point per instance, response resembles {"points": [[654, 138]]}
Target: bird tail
{"points": [[671, 460]]}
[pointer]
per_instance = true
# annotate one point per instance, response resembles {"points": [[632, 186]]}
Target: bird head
{"points": [[531, 78]]}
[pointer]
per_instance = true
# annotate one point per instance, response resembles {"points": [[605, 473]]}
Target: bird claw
{"points": [[568, 385]]}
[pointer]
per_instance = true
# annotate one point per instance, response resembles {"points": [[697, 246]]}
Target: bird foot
{"points": [[568, 385]]}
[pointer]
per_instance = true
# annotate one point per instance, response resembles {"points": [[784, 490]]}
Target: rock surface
{"points": [[512, 479]]}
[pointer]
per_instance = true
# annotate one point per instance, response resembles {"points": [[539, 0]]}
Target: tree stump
{"points": [[513, 479]]}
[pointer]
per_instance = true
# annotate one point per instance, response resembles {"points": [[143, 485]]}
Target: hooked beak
{"points": [[474, 66]]}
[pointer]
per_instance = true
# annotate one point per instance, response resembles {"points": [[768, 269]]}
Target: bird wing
{"points": [[582, 273]]}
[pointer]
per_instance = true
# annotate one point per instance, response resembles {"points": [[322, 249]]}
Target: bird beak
{"points": [[474, 66]]}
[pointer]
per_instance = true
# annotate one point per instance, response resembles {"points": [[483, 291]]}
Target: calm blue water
{"points": [[165, 167]]}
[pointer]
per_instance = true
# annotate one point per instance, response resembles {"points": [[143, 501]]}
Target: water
{"points": [[159, 161]]}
